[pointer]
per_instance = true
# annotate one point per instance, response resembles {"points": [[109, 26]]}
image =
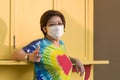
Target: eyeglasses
{"points": [[52, 24]]}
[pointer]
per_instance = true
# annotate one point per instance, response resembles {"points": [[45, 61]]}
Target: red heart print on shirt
{"points": [[65, 63]]}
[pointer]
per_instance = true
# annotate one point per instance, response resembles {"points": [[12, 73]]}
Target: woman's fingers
{"points": [[35, 56], [82, 70], [79, 67], [37, 50]]}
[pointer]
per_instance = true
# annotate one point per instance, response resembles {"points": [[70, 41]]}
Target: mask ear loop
{"points": [[64, 30]]}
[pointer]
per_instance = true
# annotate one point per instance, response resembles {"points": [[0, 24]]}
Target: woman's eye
{"points": [[55, 24], [60, 23], [52, 24]]}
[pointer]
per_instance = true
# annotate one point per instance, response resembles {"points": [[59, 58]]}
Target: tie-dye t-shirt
{"points": [[54, 63]]}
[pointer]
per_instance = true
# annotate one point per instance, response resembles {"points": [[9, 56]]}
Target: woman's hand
{"points": [[35, 56], [79, 67]]}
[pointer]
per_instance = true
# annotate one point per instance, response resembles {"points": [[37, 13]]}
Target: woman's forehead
{"points": [[54, 19]]}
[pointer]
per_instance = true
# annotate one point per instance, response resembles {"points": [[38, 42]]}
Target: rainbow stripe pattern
{"points": [[54, 64]]}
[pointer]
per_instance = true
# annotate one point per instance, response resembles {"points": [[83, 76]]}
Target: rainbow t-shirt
{"points": [[54, 63]]}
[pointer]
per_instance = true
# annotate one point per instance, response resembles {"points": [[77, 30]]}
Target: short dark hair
{"points": [[47, 15]]}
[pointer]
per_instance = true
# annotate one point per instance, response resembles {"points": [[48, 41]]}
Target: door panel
{"points": [[76, 29], [26, 25], [4, 29]]}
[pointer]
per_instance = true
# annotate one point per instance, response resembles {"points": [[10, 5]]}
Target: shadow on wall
{"points": [[4, 41], [75, 35], [11, 72]]}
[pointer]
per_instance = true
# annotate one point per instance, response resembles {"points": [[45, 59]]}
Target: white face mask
{"points": [[55, 31]]}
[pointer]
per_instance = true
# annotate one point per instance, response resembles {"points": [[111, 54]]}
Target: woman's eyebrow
{"points": [[55, 22]]}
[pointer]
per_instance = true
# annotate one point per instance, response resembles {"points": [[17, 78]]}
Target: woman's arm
{"points": [[78, 65], [20, 55]]}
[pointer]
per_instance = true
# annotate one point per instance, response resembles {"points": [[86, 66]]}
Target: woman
{"points": [[48, 53]]}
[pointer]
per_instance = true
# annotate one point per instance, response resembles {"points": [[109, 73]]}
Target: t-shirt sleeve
{"points": [[31, 47]]}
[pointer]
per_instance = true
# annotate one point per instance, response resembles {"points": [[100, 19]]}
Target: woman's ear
{"points": [[45, 29]]}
